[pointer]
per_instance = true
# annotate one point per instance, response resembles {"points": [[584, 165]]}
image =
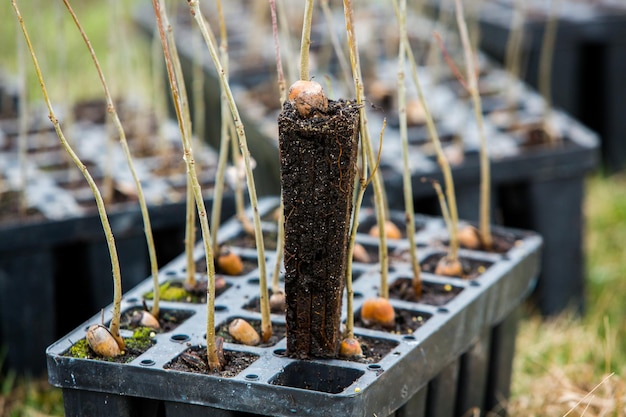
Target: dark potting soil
{"points": [[278, 332], [407, 321], [318, 155], [432, 293], [174, 290], [249, 265], [255, 305], [195, 360], [472, 268], [245, 240]]}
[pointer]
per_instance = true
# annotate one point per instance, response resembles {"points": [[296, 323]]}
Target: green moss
{"points": [[81, 350], [174, 291], [142, 340]]}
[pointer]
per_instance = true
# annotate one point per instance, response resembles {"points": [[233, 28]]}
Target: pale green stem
{"points": [[305, 44], [216, 210], [485, 178], [266, 324], [379, 199], [284, 29], [198, 87], [23, 123], [406, 172], [114, 326], [280, 233], [441, 156], [514, 48], [158, 87], [282, 88], [280, 245], [362, 186], [545, 61], [212, 355], [341, 56], [185, 125], [154, 267], [445, 212]]}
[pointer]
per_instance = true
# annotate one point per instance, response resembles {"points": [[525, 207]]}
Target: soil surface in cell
{"points": [[432, 293], [195, 360]]}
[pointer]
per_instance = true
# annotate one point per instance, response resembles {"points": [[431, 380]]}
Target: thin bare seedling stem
{"points": [[406, 172], [362, 186], [514, 48], [23, 123], [114, 326], [341, 56], [212, 354], [545, 63], [197, 91], [442, 160], [305, 43], [485, 177], [282, 85], [282, 89], [445, 212], [379, 198], [154, 267], [216, 210], [185, 126], [266, 325], [284, 29]]}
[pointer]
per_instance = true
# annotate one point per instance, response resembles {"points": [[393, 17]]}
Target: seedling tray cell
{"points": [[458, 357]]}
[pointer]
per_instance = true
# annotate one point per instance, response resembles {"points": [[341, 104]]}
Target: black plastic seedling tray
{"points": [[536, 187], [60, 242], [457, 354], [587, 64]]}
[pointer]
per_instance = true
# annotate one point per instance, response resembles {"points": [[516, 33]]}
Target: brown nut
{"points": [[229, 263], [308, 96], [350, 348], [243, 332], [378, 311], [391, 230], [102, 342]]}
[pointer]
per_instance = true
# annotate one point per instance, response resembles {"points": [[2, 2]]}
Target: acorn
{"points": [[308, 97], [350, 348], [378, 311], [102, 342], [360, 254], [449, 267], [278, 302], [243, 332], [145, 319], [391, 230], [469, 237], [228, 262], [415, 113]]}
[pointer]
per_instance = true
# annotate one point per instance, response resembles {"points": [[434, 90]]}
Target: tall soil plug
{"points": [[318, 142]]}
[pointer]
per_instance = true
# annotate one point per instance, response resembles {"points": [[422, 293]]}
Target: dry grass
{"points": [[577, 366]]}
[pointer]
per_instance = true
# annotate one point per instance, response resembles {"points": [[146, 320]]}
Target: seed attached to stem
{"points": [[449, 267], [350, 348], [308, 97], [145, 319], [278, 302], [378, 311], [229, 262], [391, 230], [469, 237], [102, 342]]}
